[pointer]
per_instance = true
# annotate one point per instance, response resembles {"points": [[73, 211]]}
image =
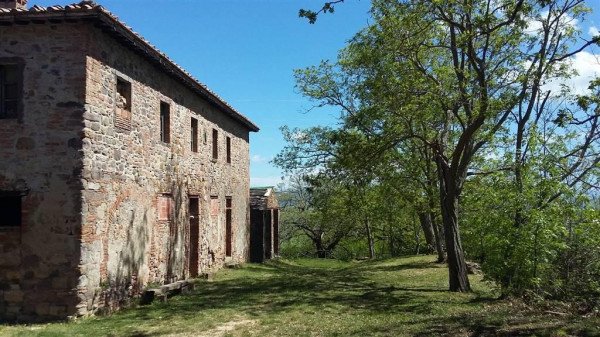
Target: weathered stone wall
{"points": [[41, 157], [124, 245]]}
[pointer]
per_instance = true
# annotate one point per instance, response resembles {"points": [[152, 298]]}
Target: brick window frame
{"points": [[11, 87], [214, 206], [165, 207], [123, 104]]}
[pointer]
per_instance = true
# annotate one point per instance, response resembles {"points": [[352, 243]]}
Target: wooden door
{"points": [[194, 213], [228, 229]]}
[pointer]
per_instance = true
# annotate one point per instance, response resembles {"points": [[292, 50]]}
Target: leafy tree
{"points": [[317, 208], [449, 74]]}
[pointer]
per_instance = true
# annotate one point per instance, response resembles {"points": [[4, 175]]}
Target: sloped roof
{"points": [[263, 198], [110, 23]]}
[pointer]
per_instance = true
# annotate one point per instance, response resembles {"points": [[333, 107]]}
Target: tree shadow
{"points": [[401, 267], [281, 288]]}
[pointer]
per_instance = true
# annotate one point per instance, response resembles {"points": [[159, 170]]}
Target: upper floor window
{"points": [[123, 104], [11, 81], [215, 144], [123, 94], [194, 135], [228, 143], [165, 122]]}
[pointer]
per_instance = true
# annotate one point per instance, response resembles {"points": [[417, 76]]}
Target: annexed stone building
{"points": [[117, 167], [264, 224]]}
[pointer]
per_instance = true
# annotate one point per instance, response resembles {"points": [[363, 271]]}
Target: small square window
{"points": [[165, 122], [123, 104], [123, 94], [10, 211], [11, 84]]}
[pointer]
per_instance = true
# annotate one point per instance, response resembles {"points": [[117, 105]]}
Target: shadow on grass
{"points": [[404, 266], [289, 287], [282, 287]]}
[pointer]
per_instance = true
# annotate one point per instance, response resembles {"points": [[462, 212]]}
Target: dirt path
{"points": [[222, 329]]}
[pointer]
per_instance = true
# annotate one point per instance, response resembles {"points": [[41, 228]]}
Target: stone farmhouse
{"points": [[118, 168]]}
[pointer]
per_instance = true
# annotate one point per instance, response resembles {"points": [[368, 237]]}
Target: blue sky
{"points": [[246, 50]]}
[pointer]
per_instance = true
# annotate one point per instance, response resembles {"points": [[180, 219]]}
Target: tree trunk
{"points": [[439, 245], [370, 239], [427, 226], [417, 231], [449, 196], [318, 242], [519, 219], [457, 267], [430, 189]]}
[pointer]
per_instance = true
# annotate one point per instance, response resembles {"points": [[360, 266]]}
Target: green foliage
{"points": [[329, 215], [448, 100], [328, 7], [297, 246], [550, 252]]}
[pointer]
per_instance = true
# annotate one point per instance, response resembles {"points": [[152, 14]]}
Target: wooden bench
{"points": [[164, 292]]}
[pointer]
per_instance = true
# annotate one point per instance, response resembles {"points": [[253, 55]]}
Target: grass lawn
{"points": [[397, 297]]}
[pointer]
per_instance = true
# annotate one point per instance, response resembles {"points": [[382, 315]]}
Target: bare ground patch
{"points": [[222, 329]]}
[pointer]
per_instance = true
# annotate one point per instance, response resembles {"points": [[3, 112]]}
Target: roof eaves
{"points": [[88, 9]]}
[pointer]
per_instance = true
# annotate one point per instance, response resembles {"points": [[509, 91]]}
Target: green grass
{"points": [[396, 297]]}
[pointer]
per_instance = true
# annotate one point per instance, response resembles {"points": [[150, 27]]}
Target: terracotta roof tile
{"points": [[90, 7]]}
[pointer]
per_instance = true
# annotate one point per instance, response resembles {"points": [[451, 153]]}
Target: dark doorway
{"points": [[257, 252], [268, 223], [194, 212], [276, 232], [10, 211], [228, 231]]}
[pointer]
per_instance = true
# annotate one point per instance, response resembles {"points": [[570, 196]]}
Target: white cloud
{"points": [[300, 136], [258, 159], [587, 67], [534, 25]]}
